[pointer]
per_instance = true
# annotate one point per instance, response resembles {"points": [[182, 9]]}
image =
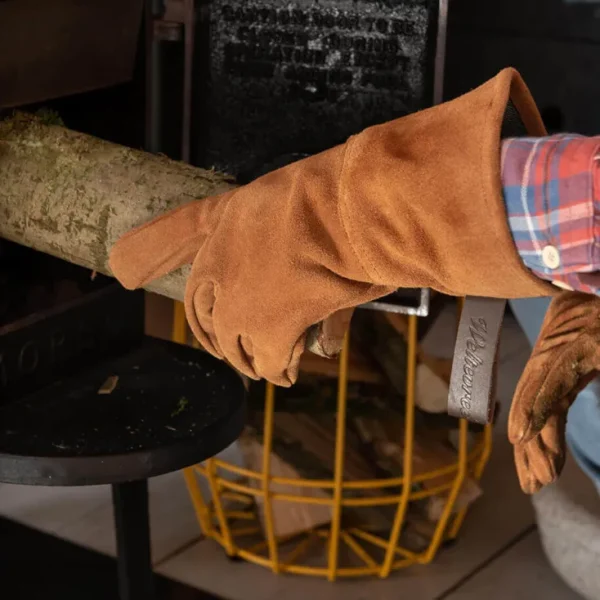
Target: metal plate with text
{"points": [[42, 348], [294, 78]]}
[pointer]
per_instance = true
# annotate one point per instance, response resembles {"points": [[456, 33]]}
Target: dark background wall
{"points": [[555, 45]]}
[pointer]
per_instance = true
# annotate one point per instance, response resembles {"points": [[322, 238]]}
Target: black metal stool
{"points": [[172, 406]]}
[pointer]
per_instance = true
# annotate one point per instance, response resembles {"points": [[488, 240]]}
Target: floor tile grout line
{"points": [[178, 551], [487, 562], [99, 504]]}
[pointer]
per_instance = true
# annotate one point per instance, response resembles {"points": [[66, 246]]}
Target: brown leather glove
{"points": [[416, 202], [564, 360]]}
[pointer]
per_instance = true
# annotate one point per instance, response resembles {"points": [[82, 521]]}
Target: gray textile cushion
{"points": [[568, 516]]}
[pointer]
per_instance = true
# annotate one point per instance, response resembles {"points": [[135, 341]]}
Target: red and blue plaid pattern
{"points": [[552, 194]]}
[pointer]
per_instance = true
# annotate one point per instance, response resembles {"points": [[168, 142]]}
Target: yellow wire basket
{"points": [[347, 548]]}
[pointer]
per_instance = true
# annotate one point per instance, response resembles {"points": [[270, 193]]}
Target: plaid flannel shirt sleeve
{"points": [[552, 194]]}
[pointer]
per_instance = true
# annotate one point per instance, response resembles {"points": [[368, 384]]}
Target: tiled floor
{"points": [[498, 554]]}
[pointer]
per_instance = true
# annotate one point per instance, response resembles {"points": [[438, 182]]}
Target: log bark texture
{"points": [[72, 195]]}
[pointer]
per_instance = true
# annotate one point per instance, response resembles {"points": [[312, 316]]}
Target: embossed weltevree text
{"points": [[471, 360]]}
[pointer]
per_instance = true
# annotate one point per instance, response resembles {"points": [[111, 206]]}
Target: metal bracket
{"points": [[169, 21]]}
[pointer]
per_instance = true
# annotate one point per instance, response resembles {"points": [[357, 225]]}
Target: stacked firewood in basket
{"points": [[304, 434]]}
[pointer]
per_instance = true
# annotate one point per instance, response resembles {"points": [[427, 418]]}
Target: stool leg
{"points": [[132, 527]]}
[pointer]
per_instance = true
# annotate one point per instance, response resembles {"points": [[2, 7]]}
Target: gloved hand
{"points": [[564, 360], [415, 202]]}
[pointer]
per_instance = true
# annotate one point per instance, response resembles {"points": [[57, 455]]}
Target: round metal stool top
{"points": [[172, 406]]}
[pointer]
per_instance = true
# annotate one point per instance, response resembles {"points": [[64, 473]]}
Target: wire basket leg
{"points": [[266, 476], [200, 507], [179, 332], [461, 473], [481, 463], [409, 425], [338, 477]]}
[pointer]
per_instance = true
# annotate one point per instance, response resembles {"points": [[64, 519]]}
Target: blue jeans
{"points": [[583, 422]]}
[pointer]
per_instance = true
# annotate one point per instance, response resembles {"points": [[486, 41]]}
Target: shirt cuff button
{"points": [[551, 257]]}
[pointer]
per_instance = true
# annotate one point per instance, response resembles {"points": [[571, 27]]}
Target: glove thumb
{"points": [[165, 243]]}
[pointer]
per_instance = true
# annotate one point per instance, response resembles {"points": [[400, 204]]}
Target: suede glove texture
{"points": [[416, 202]]}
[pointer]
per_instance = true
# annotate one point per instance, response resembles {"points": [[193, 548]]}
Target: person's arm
{"points": [[551, 189]]}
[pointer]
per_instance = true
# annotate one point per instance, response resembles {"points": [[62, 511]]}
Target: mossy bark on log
{"points": [[72, 195]]}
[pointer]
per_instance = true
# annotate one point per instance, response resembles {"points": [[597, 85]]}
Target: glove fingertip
{"points": [[521, 427], [518, 434], [121, 269], [546, 470], [531, 486]]}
